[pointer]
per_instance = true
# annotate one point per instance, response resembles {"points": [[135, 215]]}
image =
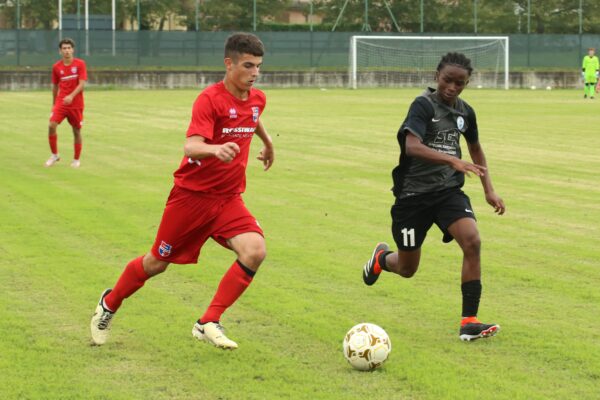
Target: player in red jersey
{"points": [[69, 76], [206, 201]]}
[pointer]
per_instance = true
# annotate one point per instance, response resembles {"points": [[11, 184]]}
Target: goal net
{"points": [[411, 61]]}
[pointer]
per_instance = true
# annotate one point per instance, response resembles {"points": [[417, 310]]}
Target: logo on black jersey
{"points": [[460, 123], [445, 141]]}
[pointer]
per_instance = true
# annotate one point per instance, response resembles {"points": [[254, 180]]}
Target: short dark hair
{"points": [[66, 41], [456, 59], [243, 43]]}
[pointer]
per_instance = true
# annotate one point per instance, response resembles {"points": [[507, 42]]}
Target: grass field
{"points": [[66, 235]]}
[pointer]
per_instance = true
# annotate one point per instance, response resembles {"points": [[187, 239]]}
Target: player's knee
{"points": [[472, 245], [258, 254], [153, 266], [253, 255], [407, 271], [405, 264]]}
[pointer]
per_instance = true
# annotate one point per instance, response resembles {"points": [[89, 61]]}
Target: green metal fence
{"points": [[285, 50]]}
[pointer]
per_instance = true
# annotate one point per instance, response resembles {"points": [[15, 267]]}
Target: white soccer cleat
{"points": [[54, 158], [101, 320], [75, 164], [213, 333]]}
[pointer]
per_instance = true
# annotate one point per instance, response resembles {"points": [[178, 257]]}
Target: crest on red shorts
{"points": [[164, 249]]}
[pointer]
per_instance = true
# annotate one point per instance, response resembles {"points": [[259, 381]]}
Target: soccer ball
{"points": [[366, 346]]}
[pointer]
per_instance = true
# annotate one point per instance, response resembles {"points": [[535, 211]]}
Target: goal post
{"points": [[409, 61]]}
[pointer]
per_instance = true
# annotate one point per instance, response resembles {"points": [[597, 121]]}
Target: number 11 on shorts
{"points": [[408, 237]]}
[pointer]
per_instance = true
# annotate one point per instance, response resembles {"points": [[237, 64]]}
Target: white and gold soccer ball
{"points": [[366, 346]]}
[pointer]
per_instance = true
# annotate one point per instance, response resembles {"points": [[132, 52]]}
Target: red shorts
{"points": [[73, 115], [190, 218]]}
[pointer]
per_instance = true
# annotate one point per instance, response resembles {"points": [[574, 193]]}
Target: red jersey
{"points": [[220, 117], [67, 78]]}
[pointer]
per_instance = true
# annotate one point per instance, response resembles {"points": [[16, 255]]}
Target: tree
{"points": [[153, 13], [238, 14], [457, 16], [440, 16], [562, 16], [35, 14]]}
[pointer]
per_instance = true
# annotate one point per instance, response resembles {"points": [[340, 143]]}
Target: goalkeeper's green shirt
{"points": [[589, 66]]}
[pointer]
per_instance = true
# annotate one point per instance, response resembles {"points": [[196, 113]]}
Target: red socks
{"points": [[53, 145], [233, 284], [132, 278], [77, 147]]}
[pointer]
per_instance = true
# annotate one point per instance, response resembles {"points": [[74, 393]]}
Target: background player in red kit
{"points": [[206, 198], [68, 79]]}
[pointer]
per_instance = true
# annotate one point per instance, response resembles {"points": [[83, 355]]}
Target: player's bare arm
{"points": [[267, 154], [415, 148], [478, 157], [69, 98], [54, 93], [196, 148]]}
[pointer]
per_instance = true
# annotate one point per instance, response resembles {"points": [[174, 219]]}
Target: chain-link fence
{"points": [[298, 34], [285, 50]]}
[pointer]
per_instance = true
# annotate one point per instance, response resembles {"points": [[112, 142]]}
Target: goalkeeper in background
{"points": [[589, 72]]}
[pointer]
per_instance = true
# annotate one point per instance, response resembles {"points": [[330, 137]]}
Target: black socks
{"points": [[471, 292]]}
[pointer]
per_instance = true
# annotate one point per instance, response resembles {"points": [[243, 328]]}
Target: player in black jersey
{"points": [[427, 187]]}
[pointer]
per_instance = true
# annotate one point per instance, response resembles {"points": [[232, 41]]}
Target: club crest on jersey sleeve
{"points": [[164, 249]]}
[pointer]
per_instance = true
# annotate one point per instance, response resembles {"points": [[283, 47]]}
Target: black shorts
{"points": [[413, 216]]}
